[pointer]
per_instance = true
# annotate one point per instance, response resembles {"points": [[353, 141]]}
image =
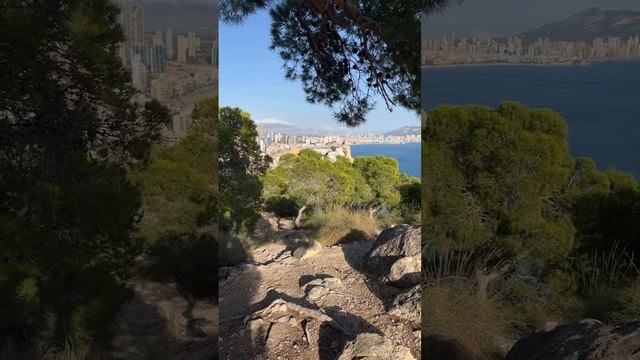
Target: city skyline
{"points": [[261, 89], [176, 68], [503, 18], [450, 50]]}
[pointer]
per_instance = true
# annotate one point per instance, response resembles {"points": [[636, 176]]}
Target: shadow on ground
{"points": [[354, 254]]}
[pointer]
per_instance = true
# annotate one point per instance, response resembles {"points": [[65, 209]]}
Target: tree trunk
{"points": [[373, 210], [299, 217], [482, 282]]}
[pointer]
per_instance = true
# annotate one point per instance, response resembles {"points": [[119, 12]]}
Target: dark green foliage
{"points": [[345, 53], [496, 177], [240, 166], [191, 261], [310, 180], [68, 131], [282, 206], [410, 190], [382, 176], [179, 224], [564, 232], [180, 183], [432, 6], [605, 207]]}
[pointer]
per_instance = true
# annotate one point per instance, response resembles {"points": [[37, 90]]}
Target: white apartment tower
{"points": [[169, 44], [193, 44], [139, 73], [158, 39], [132, 21], [183, 47]]}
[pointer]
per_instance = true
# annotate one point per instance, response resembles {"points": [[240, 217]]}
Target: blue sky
{"points": [[251, 77]]}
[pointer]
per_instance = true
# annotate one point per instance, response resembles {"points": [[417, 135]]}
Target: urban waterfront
{"points": [[408, 154], [450, 50], [600, 101]]}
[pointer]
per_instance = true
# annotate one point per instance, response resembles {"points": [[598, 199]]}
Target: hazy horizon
{"points": [[500, 18]]}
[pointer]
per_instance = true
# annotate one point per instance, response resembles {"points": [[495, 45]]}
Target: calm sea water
{"points": [[601, 102], [408, 154]]}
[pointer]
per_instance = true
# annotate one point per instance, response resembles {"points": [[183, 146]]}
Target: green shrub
{"points": [[629, 301], [282, 206], [66, 350], [232, 249], [526, 304], [191, 262], [339, 225]]}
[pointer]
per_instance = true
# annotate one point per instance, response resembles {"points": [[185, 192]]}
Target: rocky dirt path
{"points": [[160, 323], [327, 283]]}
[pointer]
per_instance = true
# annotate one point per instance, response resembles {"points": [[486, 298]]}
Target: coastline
{"points": [[557, 64], [379, 143]]}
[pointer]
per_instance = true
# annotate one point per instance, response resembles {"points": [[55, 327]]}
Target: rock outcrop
{"points": [[585, 340], [395, 256], [374, 347], [407, 305]]}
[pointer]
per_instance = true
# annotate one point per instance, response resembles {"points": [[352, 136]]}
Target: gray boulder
{"points": [[407, 305], [401, 245], [585, 340], [369, 346]]}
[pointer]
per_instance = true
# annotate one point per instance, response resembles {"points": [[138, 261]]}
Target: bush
{"points": [[67, 350], [339, 225], [232, 249], [629, 304], [455, 315], [282, 206], [190, 262]]}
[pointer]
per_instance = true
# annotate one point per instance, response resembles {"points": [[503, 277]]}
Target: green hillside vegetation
{"points": [[512, 221], [179, 218]]}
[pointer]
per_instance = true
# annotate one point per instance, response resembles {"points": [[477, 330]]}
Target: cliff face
{"points": [[589, 24]]}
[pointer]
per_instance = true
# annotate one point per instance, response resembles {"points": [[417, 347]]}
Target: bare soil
{"points": [[358, 305]]}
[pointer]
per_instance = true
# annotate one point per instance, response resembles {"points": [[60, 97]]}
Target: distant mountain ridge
{"points": [[291, 129], [587, 25]]}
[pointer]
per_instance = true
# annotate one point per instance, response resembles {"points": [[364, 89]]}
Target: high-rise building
{"points": [[161, 88], [158, 39], [169, 44], [182, 49], [131, 19], [139, 73], [153, 56], [193, 43]]}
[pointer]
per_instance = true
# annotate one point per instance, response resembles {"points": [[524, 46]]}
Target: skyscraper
{"points": [[154, 56], [132, 21], [158, 39], [183, 47], [139, 73], [169, 43], [193, 44]]}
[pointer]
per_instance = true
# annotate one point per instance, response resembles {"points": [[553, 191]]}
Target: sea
{"points": [[407, 154], [600, 101]]}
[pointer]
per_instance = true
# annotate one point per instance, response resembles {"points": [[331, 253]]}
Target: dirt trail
{"points": [[354, 301], [162, 323]]}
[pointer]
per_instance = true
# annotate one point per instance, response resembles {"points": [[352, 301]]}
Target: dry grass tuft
{"points": [[455, 315], [339, 225]]}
